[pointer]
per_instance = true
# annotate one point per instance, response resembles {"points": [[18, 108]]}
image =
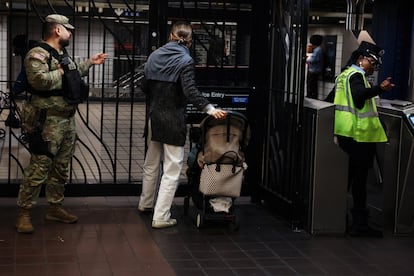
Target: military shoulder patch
{"points": [[39, 56]]}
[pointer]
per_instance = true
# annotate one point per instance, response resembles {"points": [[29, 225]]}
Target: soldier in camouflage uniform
{"points": [[52, 151]]}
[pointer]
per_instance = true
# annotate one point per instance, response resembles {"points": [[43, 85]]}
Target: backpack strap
{"points": [[52, 53]]}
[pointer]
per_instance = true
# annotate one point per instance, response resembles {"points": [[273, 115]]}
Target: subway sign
{"points": [[227, 98]]}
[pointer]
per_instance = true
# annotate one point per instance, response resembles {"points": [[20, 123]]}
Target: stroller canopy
{"points": [[231, 134]]}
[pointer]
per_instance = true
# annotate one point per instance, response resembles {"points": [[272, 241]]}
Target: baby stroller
{"points": [[216, 166]]}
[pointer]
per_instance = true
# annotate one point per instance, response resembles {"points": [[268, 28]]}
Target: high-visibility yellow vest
{"points": [[363, 125]]}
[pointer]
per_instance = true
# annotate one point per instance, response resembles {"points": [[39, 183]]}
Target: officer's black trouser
{"points": [[361, 157], [357, 182]]}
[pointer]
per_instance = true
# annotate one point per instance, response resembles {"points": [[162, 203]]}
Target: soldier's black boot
{"points": [[360, 226]]}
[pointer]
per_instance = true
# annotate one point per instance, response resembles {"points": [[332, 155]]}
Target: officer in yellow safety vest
{"points": [[358, 128]]}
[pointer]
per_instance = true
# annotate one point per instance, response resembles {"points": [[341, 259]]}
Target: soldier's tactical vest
{"points": [[74, 89], [363, 125]]}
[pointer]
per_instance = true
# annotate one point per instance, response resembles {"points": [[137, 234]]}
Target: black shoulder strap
{"points": [[52, 51]]}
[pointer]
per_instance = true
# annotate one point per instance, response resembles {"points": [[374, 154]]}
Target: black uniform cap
{"points": [[368, 49]]}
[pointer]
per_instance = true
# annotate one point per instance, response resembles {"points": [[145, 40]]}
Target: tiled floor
{"points": [[111, 238]]}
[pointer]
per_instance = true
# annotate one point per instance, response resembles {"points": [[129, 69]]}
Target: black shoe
{"points": [[365, 231]]}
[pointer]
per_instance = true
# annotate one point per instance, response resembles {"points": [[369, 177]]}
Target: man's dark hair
{"points": [[316, 40], [48, 29]]}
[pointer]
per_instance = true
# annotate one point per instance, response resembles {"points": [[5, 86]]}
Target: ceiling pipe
{"points": [[355, 15]]}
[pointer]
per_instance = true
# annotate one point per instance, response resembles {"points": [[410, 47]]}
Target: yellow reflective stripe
{"points": [[347, 89], [346, 109], [355, 112]]}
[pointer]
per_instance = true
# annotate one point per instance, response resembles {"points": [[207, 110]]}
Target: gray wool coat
{"points": [[166, 106]]}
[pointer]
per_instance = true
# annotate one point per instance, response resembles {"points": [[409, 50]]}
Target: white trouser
{"points": [[173, 162]]}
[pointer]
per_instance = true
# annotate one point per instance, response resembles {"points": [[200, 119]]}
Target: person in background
{"points": [[53, 137], [358, 128], [315, 65], [20, 49], [169, 85]]}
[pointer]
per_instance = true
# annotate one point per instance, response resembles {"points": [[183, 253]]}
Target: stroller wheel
{"points": [[234, 225], [199, 220]]}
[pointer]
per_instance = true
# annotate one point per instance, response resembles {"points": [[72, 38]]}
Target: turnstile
{"points": [[325, 174], [396, 167]]}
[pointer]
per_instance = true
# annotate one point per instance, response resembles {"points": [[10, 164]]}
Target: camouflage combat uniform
{"points": [[59, 131]]}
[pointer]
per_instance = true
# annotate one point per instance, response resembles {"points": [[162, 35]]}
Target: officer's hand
{"points": [[219, 113], [386, 84], [99, 58]]}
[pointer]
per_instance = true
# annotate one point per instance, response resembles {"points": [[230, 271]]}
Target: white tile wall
{"points": [[3, 52]]}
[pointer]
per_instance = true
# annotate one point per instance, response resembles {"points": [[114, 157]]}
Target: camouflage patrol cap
{"points": [[60, 19]]}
